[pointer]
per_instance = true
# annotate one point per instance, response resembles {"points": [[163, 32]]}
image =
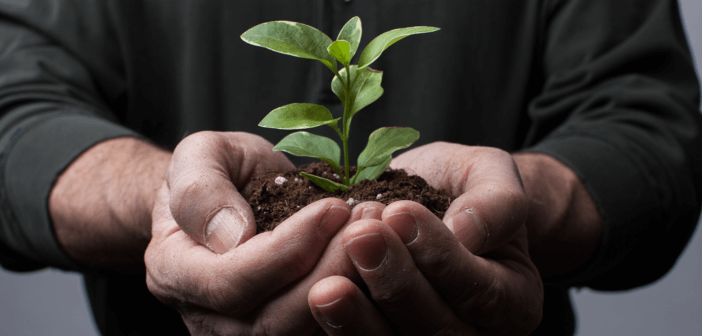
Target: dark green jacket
{"points": [[607, 87]]}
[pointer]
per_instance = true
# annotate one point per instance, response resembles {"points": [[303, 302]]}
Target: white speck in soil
{"points": [[336, 176], [351, 202], [379, 196], [324, 173], [259, 207], [297, 179], [280, 180]]}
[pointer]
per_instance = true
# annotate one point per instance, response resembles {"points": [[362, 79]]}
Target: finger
{"points": [[342, 309], [207, 322], [180, 270], [491, 208], [206, 173], [401, 291], [292, 302], [482, 291], [367, 210], [491, 201]]}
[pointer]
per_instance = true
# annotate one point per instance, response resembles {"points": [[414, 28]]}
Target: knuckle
{"points": [[186, 187], [252, 144], [151, 268], [253, 138], [195, 140], [158, 286], [162, 280], [438, 144], [202, 136], [495, 153], [153, 286]]}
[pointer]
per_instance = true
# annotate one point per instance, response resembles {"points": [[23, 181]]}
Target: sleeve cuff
{"points": [[35, 156], [619, 188]]}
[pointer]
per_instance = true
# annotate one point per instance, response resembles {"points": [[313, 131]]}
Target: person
{"points": [[568, 130]]}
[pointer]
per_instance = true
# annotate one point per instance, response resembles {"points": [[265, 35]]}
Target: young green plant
{"points": [[357, 86]]}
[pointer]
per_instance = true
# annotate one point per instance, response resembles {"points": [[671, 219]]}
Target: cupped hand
{"points": [[469, 274], [205, 260]]}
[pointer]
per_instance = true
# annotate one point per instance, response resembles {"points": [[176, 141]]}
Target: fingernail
{"points": [[368, 251], [371, 212], [336, 313], [333, 219], [405, 225], [224, 230], [470, 229]]}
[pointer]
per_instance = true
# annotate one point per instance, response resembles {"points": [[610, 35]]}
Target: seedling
{"points": [[357, 86]]}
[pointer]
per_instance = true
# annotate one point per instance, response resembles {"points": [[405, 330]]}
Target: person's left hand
{"points": [[468, 275]]}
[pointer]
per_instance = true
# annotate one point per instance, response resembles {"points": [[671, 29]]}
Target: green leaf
{"points": [[311, 145], [366, 88], [298, 116], [385, 40], [324, 183], [292, 38], [340, 51], [351, 32], [383, 142], [372, 173]]}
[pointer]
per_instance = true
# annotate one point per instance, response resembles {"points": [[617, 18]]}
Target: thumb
{"points": [[203, 200]]}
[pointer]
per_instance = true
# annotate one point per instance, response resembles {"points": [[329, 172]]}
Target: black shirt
{"points": [[607, 87]]}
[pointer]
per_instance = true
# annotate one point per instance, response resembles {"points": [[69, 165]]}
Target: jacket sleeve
{"points": [[54, 104], [620, 107]]}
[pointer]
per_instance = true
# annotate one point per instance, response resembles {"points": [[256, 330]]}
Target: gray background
{"points": [[51, 302]]}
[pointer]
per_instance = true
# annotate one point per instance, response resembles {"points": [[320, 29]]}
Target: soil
{"points": [[273, 202]]}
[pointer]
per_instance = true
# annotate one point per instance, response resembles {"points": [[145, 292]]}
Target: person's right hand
{"points": [[205, 260]]}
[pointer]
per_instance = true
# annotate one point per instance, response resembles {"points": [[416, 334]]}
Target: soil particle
{"points": [[274, 202]]}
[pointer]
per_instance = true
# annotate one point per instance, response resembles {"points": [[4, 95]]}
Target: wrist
{"points": [[100, 205], [564, 224]]}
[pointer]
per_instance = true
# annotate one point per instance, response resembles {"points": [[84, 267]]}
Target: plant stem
{"points": [[347, 111], [358, 172], [346, 161], [336, 73]]}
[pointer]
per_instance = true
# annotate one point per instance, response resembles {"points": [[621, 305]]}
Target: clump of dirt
{"points": [[276, 196]]}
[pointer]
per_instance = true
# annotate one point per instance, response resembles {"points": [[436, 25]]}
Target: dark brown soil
{"points": [[272, 203]]}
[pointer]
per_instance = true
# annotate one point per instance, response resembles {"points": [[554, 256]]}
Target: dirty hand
{"points": [[204, 258], [469, 274]]}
